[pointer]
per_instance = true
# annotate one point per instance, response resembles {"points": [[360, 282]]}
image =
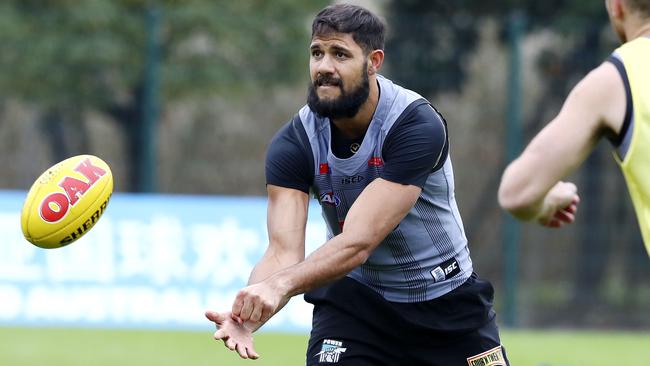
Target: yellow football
{"points": [[66, 201]]}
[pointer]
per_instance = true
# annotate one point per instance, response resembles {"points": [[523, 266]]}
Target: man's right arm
{"points": [[286, 222], [288, 171], [531, 186]]}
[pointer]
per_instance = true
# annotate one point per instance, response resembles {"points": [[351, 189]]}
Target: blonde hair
{"points": [[641, 6]]}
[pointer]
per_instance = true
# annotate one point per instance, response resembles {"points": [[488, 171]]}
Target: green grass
{"points": [[92, 347], [576, 348]]}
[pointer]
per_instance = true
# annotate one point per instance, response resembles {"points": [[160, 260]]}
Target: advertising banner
{"points": [[152, 261]]}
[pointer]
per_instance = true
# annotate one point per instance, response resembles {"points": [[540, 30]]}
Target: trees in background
{"points": [[67, 57], [445, 34], [431, 46]]}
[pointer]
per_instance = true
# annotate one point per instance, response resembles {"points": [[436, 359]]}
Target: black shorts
{"points": [[353, 325]]}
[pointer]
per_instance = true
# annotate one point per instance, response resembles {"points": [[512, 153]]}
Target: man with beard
{"points": [[612, 101], [394, 282]]}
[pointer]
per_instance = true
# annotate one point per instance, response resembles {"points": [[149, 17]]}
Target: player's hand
{"points": [[562, 203], [259, 302], [236, 334]]}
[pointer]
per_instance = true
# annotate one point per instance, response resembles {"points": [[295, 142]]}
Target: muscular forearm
{"points": [[272, 262], [375, 213], [331, 261]]}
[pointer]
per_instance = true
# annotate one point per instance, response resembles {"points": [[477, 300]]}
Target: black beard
{"points": [[344, 106]]}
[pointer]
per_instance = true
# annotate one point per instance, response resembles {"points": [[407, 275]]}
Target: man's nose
{"points": [[326, 66]]}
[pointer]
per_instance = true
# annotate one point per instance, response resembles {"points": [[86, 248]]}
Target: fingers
{"points": [[245, 304], [215, 317], [576, 199], [241, 350], [564, 216], [238, 304], [235, 335], [230, 344], [570, 209], [251, 353], [250, 307], [246, 352], [256, 314], [267, 313], [564, 197], [220, 334], [237, 319], [567, 215], [561, 217]]}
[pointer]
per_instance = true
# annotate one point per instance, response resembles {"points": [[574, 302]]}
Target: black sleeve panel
{"points": [[416, 145], [289, 159]]}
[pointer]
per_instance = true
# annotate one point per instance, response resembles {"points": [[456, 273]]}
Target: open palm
{"points": [[236, 335]]}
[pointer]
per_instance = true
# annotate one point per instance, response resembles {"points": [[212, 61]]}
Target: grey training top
{"points": [[426, 255]]}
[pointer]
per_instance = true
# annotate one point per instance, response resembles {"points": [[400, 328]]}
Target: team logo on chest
{"points": [[354, 147]]}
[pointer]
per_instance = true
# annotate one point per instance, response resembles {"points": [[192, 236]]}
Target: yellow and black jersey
{"points": [[633, 146]]}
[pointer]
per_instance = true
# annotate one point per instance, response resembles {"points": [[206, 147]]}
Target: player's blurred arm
{"points": [[375, 213], [531, 186]]}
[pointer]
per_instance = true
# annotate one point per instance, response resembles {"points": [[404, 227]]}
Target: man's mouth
{"points": [[324, 82]]}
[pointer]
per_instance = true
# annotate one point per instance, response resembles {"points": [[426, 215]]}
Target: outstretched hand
{"points": [[564, 200], [235, 334], [253, 306]]}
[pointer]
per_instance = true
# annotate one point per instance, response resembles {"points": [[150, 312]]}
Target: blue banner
{"points": [[152, 261]]}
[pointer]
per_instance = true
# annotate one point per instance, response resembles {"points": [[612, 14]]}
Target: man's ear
{"points": [[616, 8], [375, 60]]}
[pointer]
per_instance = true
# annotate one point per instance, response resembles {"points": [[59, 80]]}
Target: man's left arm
{"points": [[376, 212]]}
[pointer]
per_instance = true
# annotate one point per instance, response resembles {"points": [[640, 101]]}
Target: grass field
{"points": [[91, 347]]}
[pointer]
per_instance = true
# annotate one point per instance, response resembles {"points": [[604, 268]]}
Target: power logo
{"points": [[331, 351], [55, 206]]}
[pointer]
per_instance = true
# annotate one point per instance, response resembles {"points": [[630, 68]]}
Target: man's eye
{"points": [[340, 55], [316, 53]]}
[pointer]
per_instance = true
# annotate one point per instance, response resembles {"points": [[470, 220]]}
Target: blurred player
{"points": [[394, 284], [612, 101]]}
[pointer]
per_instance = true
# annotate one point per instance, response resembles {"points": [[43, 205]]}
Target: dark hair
{"points": [[366, 28]]}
